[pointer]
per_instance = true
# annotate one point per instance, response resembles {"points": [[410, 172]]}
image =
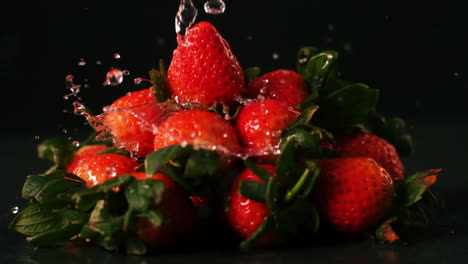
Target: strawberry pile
{"points": [[263, 159]]}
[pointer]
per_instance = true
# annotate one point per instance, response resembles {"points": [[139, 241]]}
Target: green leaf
{"points": [[305, 183], [52, 194], [306, 114], [114, 150], [34, 184], [253, 190], [411, 189], [158, 80], [272, 195], [251, 73], [266, 228], [57, 150], [86, 199], [285, 163], [140, 197], [35, 220], [303, 56], [73, 222], [201, 163], [155, 217], [261, 172], [318, 67], [159, 158], [348, 106], [298, 216]]}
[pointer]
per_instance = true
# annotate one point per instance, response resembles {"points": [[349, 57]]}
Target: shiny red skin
{"points": [[370, 145], [199, 128], [203, 68], [285, 85], [177, 208], [260, 126], [97, 169], [244, 215], [131, 120], [353, 194], [83, 152]]}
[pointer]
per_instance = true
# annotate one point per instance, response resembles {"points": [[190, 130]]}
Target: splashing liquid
{"points": [[114, 77], [215, 7], [185, 16], [70, 84]]}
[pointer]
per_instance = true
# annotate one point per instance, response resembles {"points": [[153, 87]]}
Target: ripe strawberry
{"points": [[353, 194], [284, 85], [203, 68], [130, 121], [260, 125], [199, 128], [96, 169], [369, 145], [83, 152], [244, 215], [177, 208]]}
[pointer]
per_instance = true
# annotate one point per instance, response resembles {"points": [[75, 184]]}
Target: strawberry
{"points": [[285, 85], [96, 169], [353, 194], [199, 128], [176, 207], [370, 145], [244, 215], [83, 152], [130, 121], [260, 125], [203, 68]]}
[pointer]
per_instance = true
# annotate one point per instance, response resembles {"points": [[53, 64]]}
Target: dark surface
{"points": [[414, 53]]}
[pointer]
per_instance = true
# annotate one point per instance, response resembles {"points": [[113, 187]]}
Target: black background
{"points": [[414, 52]]}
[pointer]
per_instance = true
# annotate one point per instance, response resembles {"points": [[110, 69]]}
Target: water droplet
{"points": [[111, 171], [37, 137], [116, 55], [249, 38], [215, 7], [98, 62], [275, 56], [331, 27], [76, 143], [64, 130], [14, 209], [126, 72], [82, 62], [185, 16], [456, 74], [114, 77]]}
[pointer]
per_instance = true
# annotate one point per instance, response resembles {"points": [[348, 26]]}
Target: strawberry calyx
{"points": [[159, 82], [412, 198], [290, 213]]}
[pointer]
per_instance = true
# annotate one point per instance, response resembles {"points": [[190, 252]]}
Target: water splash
{"points": [[215, 7], [70, 84], [14, 209], [185, 16], [116, 56], [114, 77]]}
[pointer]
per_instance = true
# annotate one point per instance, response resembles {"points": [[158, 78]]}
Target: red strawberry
{"points": [[177, 208], [260, 125], [203, 68], [96, 169], [199, 128], [369, 145], [83, 152], [130, 121], [244, 215], [285, 85], [353, 194]]}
